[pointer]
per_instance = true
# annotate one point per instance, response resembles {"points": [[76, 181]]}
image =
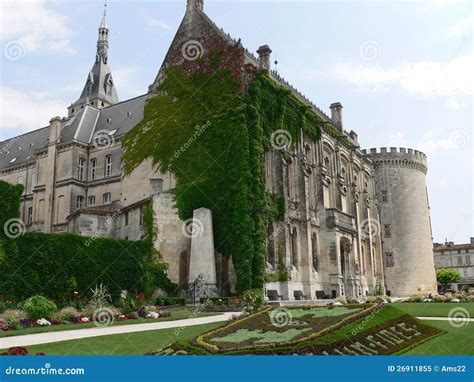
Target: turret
{"points": [[400, 185]]}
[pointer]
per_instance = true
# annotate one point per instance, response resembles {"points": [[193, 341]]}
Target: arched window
{"points": [[315, 252], [294, 247]]}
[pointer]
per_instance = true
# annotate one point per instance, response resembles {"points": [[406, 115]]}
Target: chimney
{"points": [[54, 129], [336, 114], [264, 55], [193, 4], [354, 136]]}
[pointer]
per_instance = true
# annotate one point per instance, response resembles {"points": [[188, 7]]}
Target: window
{"points": [[106, 198], [108, 165], [388, 259], [141, 215], [93, 168], [82, 165], [384, 197], [388, 230], [125, 217], [459, 260], [91, 200], [79, 202], [30, 215]]}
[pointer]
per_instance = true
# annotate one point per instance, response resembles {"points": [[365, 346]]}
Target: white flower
{"points": [[43, 322], [85, 319], [153, 315], [456, 300], [338, 303], [427, 300]]}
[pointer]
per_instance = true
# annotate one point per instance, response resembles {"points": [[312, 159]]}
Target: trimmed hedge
{"points": [[58, 265], [167, 301]]}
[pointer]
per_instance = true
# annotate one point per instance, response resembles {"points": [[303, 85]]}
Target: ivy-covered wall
{"points": [[57, 265], [212, 136]]}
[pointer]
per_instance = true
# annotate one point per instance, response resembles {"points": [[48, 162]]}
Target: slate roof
{"points": [[121, 117]]}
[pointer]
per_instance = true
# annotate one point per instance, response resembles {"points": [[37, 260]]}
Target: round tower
{"points": [[400, 185]]}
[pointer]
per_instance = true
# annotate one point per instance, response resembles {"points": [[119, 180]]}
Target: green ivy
{"points": [[212, 136]]}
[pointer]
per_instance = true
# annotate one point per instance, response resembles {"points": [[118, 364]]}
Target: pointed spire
{"points": [[99, 90]]}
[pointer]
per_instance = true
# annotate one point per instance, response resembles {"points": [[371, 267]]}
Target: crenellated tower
{"points": [[400, 185]]}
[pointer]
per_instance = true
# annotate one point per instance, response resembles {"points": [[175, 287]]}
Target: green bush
{"points": [[253, 300], [66, 313], [38, 307], [167, 301], [76, 261]]}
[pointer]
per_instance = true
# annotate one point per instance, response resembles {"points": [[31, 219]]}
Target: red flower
{"points": [[140, 295]]}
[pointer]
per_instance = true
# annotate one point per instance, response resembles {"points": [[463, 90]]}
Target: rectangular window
{"points": [[125, 216], [91, 200], [388, 259], [79, 202], [384, 197], [81, 167], [388, 230], [108, 165], [93, 168], [30, 215], [141, 215], [459, 260], [106, 198]]}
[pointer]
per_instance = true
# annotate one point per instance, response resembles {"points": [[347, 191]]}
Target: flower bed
{"points": [[373, 330]]}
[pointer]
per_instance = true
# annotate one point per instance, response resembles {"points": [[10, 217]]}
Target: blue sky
{"points": [[403, 70]]}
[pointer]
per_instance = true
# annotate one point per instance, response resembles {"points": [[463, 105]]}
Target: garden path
{"points": [[44, 338]]}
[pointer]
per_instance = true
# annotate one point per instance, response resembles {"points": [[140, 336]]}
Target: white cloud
{"points": [[35, 26], [159, 24], [397, 140], [461, 28], [434, 5], [426, 79], [125, 82], [25, 111], [436, 141]]}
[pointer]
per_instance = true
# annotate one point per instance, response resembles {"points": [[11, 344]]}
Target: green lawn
{"points": [[457, 341], [433, 309], [138, 343], [176, 314]]}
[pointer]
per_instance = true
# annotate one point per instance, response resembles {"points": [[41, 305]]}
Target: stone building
{"points": [[459, 257], [330, 241]]}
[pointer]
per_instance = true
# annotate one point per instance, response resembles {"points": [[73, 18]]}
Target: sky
{"points": [[403, 70]]}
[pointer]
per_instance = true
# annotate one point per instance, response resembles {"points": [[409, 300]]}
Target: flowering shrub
{"points": [[38, 306], [253, 300], [153, 315], [18, 350], [43, 322], [66, 313]]}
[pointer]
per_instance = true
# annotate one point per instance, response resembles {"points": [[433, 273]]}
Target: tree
{"points": [[447, 276]]}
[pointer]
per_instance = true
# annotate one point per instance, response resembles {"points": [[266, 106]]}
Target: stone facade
{"points": [[329, 240], [459, 257], [400, 182]]}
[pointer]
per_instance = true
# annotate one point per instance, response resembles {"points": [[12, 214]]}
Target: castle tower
{"points": [[400, 185], [99, 90]]}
